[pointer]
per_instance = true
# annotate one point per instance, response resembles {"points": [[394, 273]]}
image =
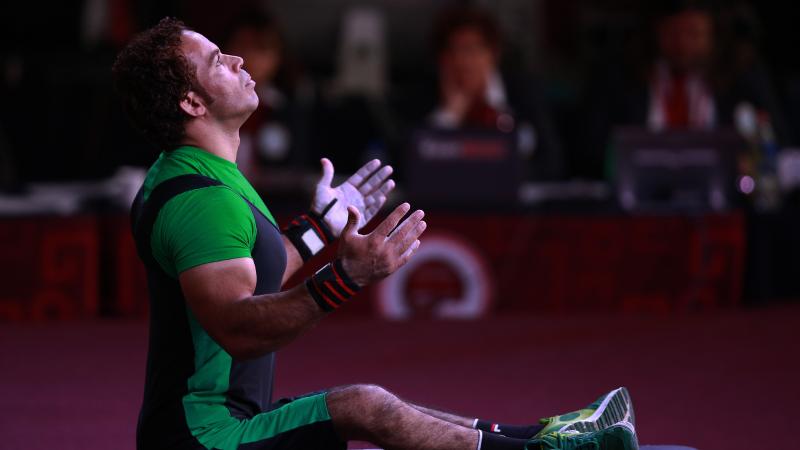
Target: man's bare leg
{"points": [[513, 431], [447, 417], [370, 413]]}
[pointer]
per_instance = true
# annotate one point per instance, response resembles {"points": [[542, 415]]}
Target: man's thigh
{"points": [[293, 423], [319, 435]]}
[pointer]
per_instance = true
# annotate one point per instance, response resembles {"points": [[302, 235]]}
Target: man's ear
{"points": [[193, 104]]}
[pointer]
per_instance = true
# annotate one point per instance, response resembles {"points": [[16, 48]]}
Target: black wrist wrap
{"points": [[309, 234], [331, 287]]}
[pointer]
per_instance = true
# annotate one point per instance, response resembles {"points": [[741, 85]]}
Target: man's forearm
{"points": [[264, 323], [293, 260]]}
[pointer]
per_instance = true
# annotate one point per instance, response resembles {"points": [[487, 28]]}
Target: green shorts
{"points": [[291, 423]]}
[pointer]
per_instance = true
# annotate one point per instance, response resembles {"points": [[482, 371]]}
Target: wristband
{"points": [[309, 234], [330, 287]]}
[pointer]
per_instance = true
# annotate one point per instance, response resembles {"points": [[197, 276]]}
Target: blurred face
{"points": [[686, 40], [261, 50], [468, 60], [230, 88]]}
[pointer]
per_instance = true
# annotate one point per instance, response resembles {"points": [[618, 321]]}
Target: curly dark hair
{"points": [[152, 76]]}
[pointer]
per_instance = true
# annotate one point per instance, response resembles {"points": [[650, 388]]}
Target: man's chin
{"points": [[252, 105], [241, 117]]}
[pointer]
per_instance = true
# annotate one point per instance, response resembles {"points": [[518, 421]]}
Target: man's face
{"points": [[686, 40], [230, 88], [468, 59]]}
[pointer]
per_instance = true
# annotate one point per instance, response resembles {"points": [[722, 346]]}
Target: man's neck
{"points": [[214, 138]]}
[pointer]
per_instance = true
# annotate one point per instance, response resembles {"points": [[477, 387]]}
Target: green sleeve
{"points": [[202, 226]]}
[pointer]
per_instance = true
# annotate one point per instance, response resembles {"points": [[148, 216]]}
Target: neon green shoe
{"points": [[619, 436], [609, 409]]}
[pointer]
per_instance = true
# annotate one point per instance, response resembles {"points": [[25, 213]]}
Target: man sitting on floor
{"points": [[216, 262]]}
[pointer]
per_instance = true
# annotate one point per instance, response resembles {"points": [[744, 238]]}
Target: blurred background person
{"points": [[473, 92], [354, 118], [277, 133], [696, 76]]}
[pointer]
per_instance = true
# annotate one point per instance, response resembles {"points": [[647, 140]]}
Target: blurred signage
{"points": [[463, 168], [447, 278], [686, 171], [463, 149]]}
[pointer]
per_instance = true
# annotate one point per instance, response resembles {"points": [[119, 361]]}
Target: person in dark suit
{"points": [[690, 81], [474, 93]]}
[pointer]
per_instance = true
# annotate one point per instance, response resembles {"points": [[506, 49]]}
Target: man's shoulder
{"points": [[164, 169], [216, 200], [206, 216], [201, 226]]}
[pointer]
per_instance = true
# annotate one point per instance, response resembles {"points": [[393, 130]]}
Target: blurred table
{"points": [[469, 265], [50, 267]]}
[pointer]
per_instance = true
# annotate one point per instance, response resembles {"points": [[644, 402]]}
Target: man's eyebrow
{"points": [[213, 55]]}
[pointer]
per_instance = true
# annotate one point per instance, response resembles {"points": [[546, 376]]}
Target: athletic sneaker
{"points": [[619, 436], [609, 409]]}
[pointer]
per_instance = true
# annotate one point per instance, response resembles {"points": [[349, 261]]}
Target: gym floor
{"points": [[710, 380]]}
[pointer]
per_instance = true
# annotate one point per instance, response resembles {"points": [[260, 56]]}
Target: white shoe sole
{"points": [[616, 407]]}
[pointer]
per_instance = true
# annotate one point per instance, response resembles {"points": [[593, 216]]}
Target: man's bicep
{"points": [[212, 289]]}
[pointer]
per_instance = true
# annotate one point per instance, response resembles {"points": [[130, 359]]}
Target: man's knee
{"points": [[366, 405], [372, 394]]}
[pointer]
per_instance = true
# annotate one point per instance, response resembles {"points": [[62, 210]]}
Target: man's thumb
{"points": [[327, 172], [353, 217]]}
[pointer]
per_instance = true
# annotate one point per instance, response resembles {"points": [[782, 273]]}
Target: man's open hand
{"points": [[366, 190], [370, 257]]}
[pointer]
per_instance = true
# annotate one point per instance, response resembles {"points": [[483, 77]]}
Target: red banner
{"points": [[468, 266], [50, 268]]}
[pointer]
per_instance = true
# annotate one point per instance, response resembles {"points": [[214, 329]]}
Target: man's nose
{"points": [[238, 62]]}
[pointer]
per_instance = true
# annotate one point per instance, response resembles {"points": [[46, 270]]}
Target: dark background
{"points": [[696, 313], [61, 121]]}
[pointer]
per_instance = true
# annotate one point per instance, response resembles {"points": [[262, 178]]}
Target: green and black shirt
{"points": [[196, 208]]}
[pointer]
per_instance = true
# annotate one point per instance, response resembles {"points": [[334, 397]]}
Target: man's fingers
{"points": [[404, 227], [407, 239], [327, 172], [379, 195], [384, 228], [373, 206], [386, 188], [361, 174], [408, 254], [376, 180]]}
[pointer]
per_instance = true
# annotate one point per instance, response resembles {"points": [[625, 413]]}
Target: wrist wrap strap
{"points": [[309, 234], [330, 287]]}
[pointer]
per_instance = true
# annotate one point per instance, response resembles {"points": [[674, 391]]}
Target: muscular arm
{"points": [[293, 260], [220, 295]]}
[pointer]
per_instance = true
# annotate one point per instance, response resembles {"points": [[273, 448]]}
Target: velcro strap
{"points": [[331, 287], [309, 234]]}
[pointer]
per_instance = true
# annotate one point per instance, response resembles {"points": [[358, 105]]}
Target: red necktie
{"points": [[677, 103]]}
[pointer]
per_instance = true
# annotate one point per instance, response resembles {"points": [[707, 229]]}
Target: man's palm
{"points": [[366, 190]]}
